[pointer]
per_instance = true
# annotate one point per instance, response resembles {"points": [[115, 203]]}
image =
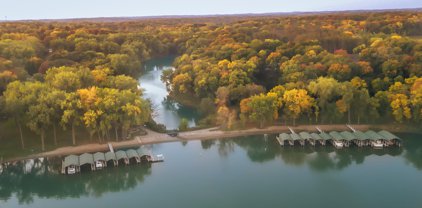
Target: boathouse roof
{"points": [[325, 136], [142, 151], [99, 156], [374, 135], [121, 155], [336, 135], [131, 153], [360, 135], [387, 135], [348, 135], [316, 136], [285, 136], [110, 156], [86, 158], [295, 136], [305, 135], [71, 160]]}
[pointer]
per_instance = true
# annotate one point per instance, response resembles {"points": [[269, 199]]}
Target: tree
{"points": [[326, 91], [260, 108], [416, 99], [39, 117], [52, 100], [297, 102], [18, 97], [400, 106], [72, 113]]}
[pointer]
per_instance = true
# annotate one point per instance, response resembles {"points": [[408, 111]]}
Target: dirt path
{"points": [[211, 133]]}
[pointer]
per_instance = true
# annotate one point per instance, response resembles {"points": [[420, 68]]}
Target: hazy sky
{"points": [[54, 9]]}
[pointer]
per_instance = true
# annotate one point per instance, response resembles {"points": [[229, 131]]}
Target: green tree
{"points": [[18, 97]]}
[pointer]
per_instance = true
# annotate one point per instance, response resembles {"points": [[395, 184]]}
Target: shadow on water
{"points": [[41, 180]]}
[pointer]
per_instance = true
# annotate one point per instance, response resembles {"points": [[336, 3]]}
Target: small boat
{"points": [[71, 170], [99, 165], [377, 144], [338, 144], [158, 158]]}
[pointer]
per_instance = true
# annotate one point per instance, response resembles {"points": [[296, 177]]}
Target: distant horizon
{"points": [[217, 15], [27, 10]]}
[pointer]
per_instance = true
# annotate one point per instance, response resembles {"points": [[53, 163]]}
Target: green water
{"points": [[167, 111], [242, 172]]}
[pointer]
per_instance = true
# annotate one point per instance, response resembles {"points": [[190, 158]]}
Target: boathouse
{"points": [[144, 154], [133, 156], [86, 161], [99, 160], [111, 159], [122, 158], [70, 164], [318, 138], [307, 137]]}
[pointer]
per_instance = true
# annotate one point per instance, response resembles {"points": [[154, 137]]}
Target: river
{"points": [[166, 111]]}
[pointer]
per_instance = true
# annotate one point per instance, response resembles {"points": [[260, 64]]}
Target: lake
{"points": [[241, 172]]}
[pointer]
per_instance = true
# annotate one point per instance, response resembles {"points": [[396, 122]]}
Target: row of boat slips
{"points": [[73, 163], [341, 139]]}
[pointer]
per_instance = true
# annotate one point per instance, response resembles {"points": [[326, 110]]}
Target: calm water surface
{"points": [[167, 111], [242, 172]]}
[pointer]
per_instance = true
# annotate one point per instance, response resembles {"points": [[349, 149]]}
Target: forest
{"points": [[352, 67]]}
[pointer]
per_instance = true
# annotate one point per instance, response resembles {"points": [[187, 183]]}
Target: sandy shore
{"points": [[211, 133]]}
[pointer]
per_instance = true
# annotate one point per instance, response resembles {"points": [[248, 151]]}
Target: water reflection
{"points": [[30, 179], [259, 149], [44, 182]]}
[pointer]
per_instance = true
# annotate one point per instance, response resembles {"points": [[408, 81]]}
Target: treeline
{"points": [[323, 68], [70, 97]]}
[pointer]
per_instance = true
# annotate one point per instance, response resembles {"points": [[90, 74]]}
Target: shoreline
{"points": [[153, 137]]}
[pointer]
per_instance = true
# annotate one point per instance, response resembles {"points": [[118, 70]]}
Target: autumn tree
{"points": [[296, 102]]}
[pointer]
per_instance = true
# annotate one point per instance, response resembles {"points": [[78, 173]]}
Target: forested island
{"points": [[79, 77]]}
